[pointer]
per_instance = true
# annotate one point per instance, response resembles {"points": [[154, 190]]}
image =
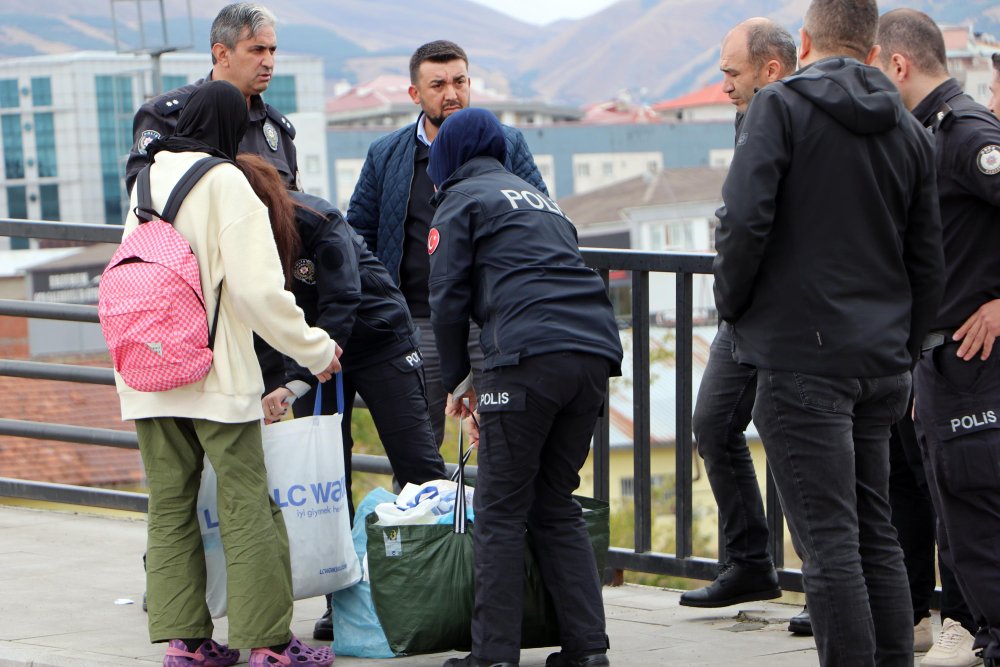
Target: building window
{"points": [[45, 144], [8, 94], [280, 94], [607, 168], [49, 194], [171, 81], [17, 207], [114, 127], [13, 146], [41, 91], [628, 487], [583, 170]]}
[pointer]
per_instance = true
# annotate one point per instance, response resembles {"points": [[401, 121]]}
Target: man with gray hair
{"points": [[243, 46], [755, 53], [829, 269]]}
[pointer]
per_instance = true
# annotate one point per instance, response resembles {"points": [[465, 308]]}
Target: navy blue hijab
{"points": [[464, 135], [213, 121]]}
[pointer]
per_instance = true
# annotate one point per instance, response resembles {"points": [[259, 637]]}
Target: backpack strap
{"points": [[184, 185], [144, 206]]}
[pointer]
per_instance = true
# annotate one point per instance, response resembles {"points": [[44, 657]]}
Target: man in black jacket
{"points": [[754, 53], [829, 269], [957, 381], [503, 253]]}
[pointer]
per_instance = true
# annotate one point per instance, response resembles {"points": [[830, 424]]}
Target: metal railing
{"points": [[640, 557]]}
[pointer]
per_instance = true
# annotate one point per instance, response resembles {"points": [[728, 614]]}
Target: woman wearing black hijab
{"points": [[219, 416]]}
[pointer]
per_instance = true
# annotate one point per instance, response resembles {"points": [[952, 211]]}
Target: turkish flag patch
{"points": [[433, 238]]}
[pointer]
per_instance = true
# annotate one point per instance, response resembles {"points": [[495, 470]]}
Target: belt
{"points": [[937, 339]]}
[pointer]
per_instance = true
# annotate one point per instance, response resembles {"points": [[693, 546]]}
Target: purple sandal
{"points": [[296, 653], [210, 654]]}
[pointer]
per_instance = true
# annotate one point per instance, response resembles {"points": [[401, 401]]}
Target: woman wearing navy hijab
{"points": [[506, 255]]}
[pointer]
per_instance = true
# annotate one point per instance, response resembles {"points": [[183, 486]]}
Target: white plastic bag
{"points": [[427, 503], [305, 474]]}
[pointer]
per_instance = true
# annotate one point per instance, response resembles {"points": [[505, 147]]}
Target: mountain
{"points": [[653, 48]]}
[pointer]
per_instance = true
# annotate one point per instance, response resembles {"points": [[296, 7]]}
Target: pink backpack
{"points": [[150, 303]]}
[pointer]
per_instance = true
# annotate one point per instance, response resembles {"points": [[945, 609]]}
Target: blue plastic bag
{"points": [[356, 628]]}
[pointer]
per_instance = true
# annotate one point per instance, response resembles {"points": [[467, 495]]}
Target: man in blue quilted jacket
{"points": [[391, 207]]}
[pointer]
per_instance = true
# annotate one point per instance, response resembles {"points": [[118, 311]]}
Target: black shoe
{"points": [[735, 584], [598, 659], [323, 630], [800, 623], [472, 661]]}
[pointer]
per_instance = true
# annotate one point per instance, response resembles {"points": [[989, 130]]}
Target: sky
{"points": [[541, 12]]}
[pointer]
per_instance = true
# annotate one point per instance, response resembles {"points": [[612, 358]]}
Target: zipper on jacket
{"points": [[409, 193]]}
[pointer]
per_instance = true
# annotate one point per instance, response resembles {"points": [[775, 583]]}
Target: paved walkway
{"points": [[71, 591]]}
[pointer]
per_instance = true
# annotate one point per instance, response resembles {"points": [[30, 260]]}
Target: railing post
{"points": [[683, 387], [641, 484]]}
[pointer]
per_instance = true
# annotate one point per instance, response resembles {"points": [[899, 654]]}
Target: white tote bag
{"points": [[305, 474]]}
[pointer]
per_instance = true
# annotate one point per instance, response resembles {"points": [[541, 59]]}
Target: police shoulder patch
{"points": [[145, 139], [305, 271], [988, 160], [433, 239]]}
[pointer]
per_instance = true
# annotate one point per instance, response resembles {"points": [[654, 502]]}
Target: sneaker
{"points": [[209, 654], [923, 636], [296, 654], [953, 648]]}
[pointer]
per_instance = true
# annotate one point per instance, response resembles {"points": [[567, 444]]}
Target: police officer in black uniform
{"points": [[505, 254], [243, 46], [957, 380]]}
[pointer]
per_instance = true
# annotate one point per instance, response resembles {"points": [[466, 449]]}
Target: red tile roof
{"points": [[710, 95], [66, 403]]}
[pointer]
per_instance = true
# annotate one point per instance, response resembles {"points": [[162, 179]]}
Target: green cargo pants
{"points": [[253, 533]]}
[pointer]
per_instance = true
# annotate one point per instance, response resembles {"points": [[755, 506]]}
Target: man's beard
{"points": [[437, 120]]}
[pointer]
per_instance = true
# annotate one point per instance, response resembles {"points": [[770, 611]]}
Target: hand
{"points": [[334, 366], [472, 429], [456, 406], [275, 404], [979, 331]]}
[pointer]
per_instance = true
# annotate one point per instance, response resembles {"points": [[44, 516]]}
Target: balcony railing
{"points": [[640, 558]]}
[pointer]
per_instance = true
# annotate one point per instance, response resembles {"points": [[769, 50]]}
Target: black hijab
{"points": [[213, 121]]}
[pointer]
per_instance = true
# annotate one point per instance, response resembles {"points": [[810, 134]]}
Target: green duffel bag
{"points": [[423, 581]]}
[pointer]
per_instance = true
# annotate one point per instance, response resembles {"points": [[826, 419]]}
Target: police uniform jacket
{"points": [[269, 134], [967, 139], [346, 291], [829, 244], [504, 253], [378, 206]]}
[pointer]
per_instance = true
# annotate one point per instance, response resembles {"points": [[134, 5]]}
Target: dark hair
{"points": [[842, 27], [232, 20], [913, 34], [441, 51], [769, 41], [270, 188], [996, 61]]}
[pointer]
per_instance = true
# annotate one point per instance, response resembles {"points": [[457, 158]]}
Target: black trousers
{"points": [[958, 425], [394, 393], [536, 423], [915, 521]]}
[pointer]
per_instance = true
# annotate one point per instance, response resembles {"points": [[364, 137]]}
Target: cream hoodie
{"points": [[230, 234]]}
